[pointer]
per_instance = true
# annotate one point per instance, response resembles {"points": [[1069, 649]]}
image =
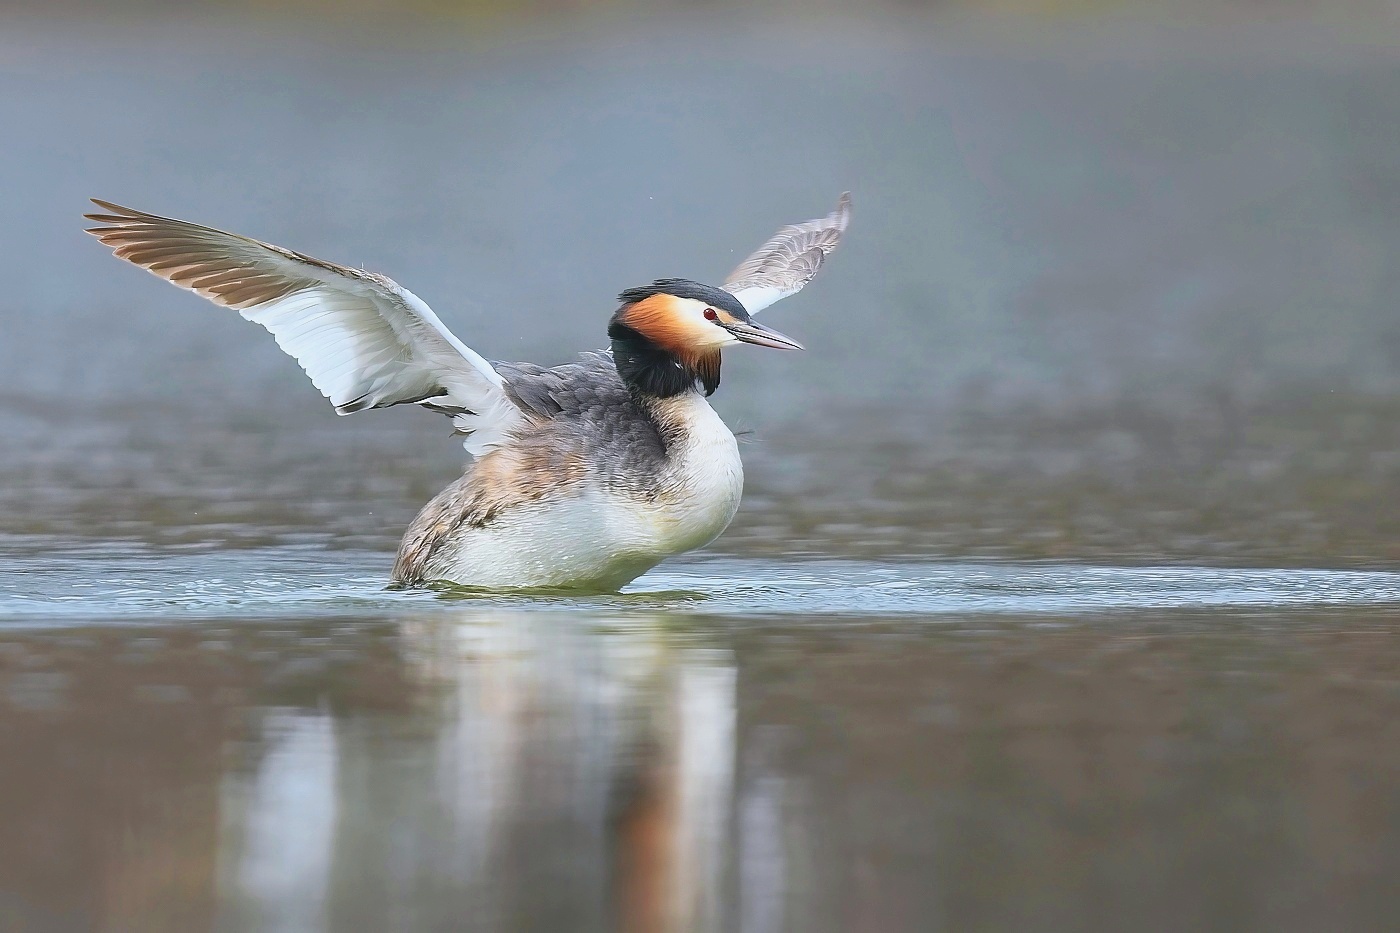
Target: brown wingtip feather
{"points": [[117, 215], [206, 261], [129, 218], [115, 208]]}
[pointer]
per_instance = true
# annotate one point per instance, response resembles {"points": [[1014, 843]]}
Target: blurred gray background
{"points": [[1111, 264]]}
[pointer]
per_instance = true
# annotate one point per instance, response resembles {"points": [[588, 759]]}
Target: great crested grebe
{"points": [[584, 475]]}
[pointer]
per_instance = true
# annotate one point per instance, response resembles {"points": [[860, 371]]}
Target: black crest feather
{"points": [[685, 288]]}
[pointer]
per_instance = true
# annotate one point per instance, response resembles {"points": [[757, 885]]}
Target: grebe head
{"points": [[668, 335]]}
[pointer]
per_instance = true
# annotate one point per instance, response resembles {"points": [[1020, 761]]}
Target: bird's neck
{"points": [[653, 370]]}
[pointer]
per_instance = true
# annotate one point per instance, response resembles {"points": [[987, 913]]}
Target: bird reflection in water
{"points": [[483, 766]]}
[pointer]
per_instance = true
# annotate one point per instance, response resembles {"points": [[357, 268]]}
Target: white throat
{"points": [[705, 479]]}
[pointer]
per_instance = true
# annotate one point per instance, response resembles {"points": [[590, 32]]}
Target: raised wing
{"points": [[788, 261], [365, 341]]}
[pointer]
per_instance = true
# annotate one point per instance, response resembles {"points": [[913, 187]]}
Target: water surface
{"points": [[1065, 593], [103, 585]]}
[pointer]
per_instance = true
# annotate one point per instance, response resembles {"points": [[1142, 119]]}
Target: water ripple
{"points": [[311, 582]]}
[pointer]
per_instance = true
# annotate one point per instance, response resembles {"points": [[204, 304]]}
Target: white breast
{"points": [[707, 477], [605, 537]]}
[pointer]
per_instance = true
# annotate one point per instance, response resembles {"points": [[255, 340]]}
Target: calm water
{"points": [[255, 740], [1066, 589]]}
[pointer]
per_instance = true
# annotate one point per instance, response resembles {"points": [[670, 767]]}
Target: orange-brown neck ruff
{"points": [[663, 343], [653, 370], [658, 351], [665, 321]]}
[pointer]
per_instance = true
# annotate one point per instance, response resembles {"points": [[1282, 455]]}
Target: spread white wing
{"points": [[365, 341], [788, 260]]}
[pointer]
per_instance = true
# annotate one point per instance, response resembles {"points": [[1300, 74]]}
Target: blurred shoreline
{"points": [[1129, 30]]}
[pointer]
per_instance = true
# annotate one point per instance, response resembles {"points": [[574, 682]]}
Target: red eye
{"points": [[710, 314]]}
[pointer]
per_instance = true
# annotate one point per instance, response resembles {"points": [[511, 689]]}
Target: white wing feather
{"points": [[781, 266], [365, 341]]}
